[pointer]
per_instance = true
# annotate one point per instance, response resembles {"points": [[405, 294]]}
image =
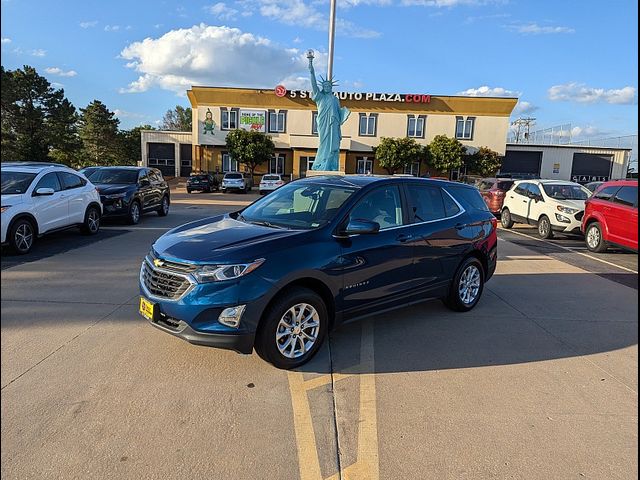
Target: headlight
{"points": [[5, 208], [220, 273], [116, 195], [568, 210]]}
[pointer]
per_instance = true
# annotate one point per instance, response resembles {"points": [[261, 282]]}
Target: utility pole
{"points": [[523, 123], [332, 31]]}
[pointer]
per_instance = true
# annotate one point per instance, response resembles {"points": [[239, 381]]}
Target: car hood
{"points": [[113, 188], [218, 239], [579, 204], [12, 199]]}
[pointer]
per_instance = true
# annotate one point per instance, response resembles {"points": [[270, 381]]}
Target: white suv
{"points": [[551, 205], [270, 182], [39, 198], [235, 181]]}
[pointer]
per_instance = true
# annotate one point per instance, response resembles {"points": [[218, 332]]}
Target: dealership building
{"points": [[289, 118]]}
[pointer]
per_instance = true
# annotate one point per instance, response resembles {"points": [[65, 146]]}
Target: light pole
{"points": [[332, 31]]}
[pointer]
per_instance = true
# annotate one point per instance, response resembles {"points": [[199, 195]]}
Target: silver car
{"points": [[270, 182]]}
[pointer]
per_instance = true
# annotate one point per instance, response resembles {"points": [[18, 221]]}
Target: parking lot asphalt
{"points": [[538, 381]]}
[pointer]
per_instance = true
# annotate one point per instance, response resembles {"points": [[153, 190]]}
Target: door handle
{"points": [[404, 237], [524, 201]]}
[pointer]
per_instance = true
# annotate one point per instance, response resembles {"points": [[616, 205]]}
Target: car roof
{"points": [[360, 181], [120, 167], [546, 182], [33, 167], [623, 181]]}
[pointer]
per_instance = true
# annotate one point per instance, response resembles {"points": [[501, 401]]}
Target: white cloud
{"points": [[88, 24], [446, 3], [111, 28], [222, 11], [125, 114], [212, 55], [38, 52], [535, 29], [486, 91], [579, 92], [59, 72], [587, 131], [524, 108], [5, 40]]}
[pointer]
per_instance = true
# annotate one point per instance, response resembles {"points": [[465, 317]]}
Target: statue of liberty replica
{"points": [[330, 117]]}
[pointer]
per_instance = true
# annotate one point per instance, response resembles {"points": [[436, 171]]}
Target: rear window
{"points": [[627, 196], [505, 185], [233, 176], [485, 185], [199, 177], [469, 198], [271, 177]]}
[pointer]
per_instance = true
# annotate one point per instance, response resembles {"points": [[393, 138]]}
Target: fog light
{"points": [[562, 218], [117, 203], [231, 316]]}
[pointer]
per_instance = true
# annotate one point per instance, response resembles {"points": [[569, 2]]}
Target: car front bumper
{"points": [[572, 226], [118, 207]]}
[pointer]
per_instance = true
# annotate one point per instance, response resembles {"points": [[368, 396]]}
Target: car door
{"points": [[156, 186], [536, 205], [51, 211], [377, 268], [518, 201], [623, 217], [145, 190], [73, 189]]}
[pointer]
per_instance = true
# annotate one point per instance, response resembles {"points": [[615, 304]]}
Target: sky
{"points": [[569, 61]]}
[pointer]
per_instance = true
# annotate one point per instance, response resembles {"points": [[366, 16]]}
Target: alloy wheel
{"points": [[165, 205], [93, 221], [135, 213], [24, 237], [297, 330], [593, 237], [469, 285], [544, 227]]}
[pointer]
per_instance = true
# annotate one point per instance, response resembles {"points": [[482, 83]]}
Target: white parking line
{"points": [[571, 250], [136, 228]]}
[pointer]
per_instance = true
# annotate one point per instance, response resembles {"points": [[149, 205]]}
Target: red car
{"points": [[493, 191], [611, 216]]}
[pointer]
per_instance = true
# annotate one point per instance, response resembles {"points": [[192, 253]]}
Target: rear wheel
{"points": [[134, 212], [593, 238], [505, 218], [91, 224], [293, 329], [544, 227], [163, 211], [22, 234], [467, 286]]}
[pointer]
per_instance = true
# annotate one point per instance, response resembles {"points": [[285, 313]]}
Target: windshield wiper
{"points": [[264, 223]]}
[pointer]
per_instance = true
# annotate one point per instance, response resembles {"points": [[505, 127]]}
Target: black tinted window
{"points": [[381, 206], [505, 185], [450, 206], [50, 180], [485, 185], [425, 203], [606, 193], [469, 198], [627, 196], [521, 189], [69, 180], [534, 189]]}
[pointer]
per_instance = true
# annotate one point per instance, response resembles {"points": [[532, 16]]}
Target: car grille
{"points": [[163, 282], [172, 266], [578, 216]]}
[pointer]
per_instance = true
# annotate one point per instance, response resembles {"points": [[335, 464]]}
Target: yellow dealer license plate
{"points": [[146, 308]]}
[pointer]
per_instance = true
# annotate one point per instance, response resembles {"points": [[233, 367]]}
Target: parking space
{"points": [[538, 381]]}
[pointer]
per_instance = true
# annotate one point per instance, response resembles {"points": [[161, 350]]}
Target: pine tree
{"points": [[98, 129]]}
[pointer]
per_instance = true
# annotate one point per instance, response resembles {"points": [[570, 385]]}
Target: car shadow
{"points": [[509, 326]]}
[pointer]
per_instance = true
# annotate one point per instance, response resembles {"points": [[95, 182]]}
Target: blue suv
{"points": [[282, 272]]}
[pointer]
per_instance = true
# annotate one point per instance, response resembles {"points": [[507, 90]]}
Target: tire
{"points": [[189, 190], [505, 218], [593, 238], [276, 350], [462, 298], [91, 224], [135, 212], [544, 227], [163, 210], [22, 236]]}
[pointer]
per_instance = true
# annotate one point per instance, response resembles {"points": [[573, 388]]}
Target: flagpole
{"points": [[332, 30]]}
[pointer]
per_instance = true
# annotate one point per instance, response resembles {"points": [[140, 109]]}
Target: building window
{"points": [[306, 163], [276, 164], [229, 164], [365, 166], [277, 121], [413, 169], [314, 123], [368, 124], [415, 126], [464, 127], [229, 119]]}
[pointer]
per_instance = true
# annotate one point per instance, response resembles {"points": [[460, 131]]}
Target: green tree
{"points": [[131, 144], [178, 119], [65, 143], [250, 148], [8, 109], [445, 154], [484, 162], [394, 154], [102, 143]]}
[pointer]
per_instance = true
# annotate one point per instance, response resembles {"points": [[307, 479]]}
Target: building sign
{"points": [[280, 91], [208, 130], [253, 120], [589, 178], [556, 168], [374, 97]]}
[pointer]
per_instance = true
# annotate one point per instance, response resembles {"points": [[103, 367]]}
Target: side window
{"points": [[469, 198], [425, 203], [534, 189], [521, 189], [627, 196], [382, 206], [143, 176], [153, 176], [50, 180], [606, 193], [158, 175], [69, 180], [451, 208]]}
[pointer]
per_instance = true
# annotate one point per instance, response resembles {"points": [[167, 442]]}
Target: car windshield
{"points": [[15, 183], [565, 191], [271, 177], [233, 176], [113, 176], [298, 205]]}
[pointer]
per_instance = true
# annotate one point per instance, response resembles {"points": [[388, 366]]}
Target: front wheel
{"points": [[22, 234], [134, 213], [544, 227], [505, 218], [593, 238], [293, 329], [466, 287], [91, 224], [163, 211]]}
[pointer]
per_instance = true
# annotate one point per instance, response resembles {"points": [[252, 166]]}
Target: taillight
{"points": [[499, 193], [279, 182], [494, 223]]}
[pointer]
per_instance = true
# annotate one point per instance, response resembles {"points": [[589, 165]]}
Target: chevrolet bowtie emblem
{"points": [[157, 262]]}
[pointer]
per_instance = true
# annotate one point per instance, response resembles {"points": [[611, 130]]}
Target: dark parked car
{"points": [[128, 192], [493, 191], [282, 272], [592, 186], [202, 182]]}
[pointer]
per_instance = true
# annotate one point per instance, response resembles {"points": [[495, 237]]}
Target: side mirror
{"points": [[361, 227], [44, 191]]}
